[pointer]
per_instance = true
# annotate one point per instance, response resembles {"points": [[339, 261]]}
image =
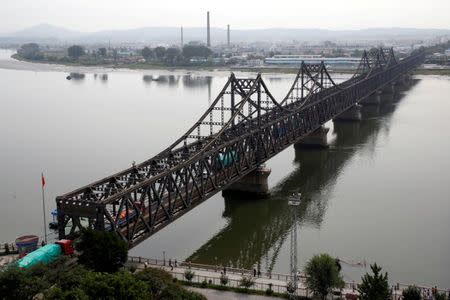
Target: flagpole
{"points": [[43, 208]]}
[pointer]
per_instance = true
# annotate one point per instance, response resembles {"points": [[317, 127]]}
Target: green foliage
{"points": [[204, 283], [246, 282], [147, 53], [440, 296], [30, 51], [64, 280], [101, 251], [411, 293], [156, 280], [75, 51], [269, 292], [161, 286], [120, 285], [16, 283], [188, 274], [223, 279], [190, 51], [175, 292], [376, 286], [160, 52], [290, 287], [172, 54], [322, 275], [102, 51], [56, 293]]}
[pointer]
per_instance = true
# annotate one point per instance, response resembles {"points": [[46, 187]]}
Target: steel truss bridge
{"points": [[244, 127]]}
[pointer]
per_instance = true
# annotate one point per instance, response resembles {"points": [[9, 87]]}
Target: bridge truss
{"points": [[244, 127]]}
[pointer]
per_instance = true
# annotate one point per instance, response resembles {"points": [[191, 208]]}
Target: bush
{"points": [[156, 280], [411, 293], [290, 287], [174, 291], [440, 296], [223, 279], [269, 292], [16, 283], [204, 284], [246, 282], [188, 274]]}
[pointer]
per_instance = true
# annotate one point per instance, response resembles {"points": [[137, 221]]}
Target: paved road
{"points": [[225, 295]]}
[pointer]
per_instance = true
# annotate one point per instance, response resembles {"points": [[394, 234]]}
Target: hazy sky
{"points": [[93, 15]]}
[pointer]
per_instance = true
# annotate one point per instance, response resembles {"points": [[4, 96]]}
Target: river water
{"points": [[380, 193]]}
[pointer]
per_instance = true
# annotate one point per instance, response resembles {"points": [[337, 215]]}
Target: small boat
{"points": [[294, 199], [69, 77]]}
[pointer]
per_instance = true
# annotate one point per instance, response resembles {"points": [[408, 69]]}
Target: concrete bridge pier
{"points": [[254, 183], [389, 88], [374, 99], [351, 114], [317, 139]]}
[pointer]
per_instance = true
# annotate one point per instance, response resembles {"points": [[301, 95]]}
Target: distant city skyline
{"points": [[88, 15]]}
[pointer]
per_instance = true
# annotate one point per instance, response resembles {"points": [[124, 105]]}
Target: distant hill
{"points": [[45, 33]]}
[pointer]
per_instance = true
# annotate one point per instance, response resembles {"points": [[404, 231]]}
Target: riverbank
{"points": [[259, 69]]}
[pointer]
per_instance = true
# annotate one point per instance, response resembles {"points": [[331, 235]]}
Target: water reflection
{"points": [[77, 76], [257, 228]]}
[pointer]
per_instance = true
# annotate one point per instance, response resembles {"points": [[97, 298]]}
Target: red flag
{"points": [[43, 180]]}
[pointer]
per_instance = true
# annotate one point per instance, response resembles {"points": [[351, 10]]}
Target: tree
{"points": [[147, 53], [102, 51], [172, 53], [188, 274], [160, 52], [190, 51], [322, 275], [30, 51], [101, 251], [75, 51], [223, 279], [246, 282], [411, 293], [374, 287]]}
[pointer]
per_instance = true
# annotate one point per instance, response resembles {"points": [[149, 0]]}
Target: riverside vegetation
{"points": [[98, 273]]}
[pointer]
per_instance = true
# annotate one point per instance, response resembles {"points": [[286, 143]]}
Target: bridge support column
{"points": [[374, 99], [351, 114], [317, 138], [254, 183], [389, 88]]}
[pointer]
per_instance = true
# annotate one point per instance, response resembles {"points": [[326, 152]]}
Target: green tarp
{"points": [[45, 255]]}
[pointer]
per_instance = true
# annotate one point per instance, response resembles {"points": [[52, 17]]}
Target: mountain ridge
{"points": [[166, 34]]}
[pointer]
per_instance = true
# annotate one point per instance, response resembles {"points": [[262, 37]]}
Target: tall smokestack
{"points": [[228, 35], [208, 33], [182, 43]]}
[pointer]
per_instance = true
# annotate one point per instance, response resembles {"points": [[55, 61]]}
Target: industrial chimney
{"points": [[208, 33], [228, 35], [182, 43]]}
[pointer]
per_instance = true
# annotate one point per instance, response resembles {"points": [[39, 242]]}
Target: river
{"points": [[380, 193]]}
